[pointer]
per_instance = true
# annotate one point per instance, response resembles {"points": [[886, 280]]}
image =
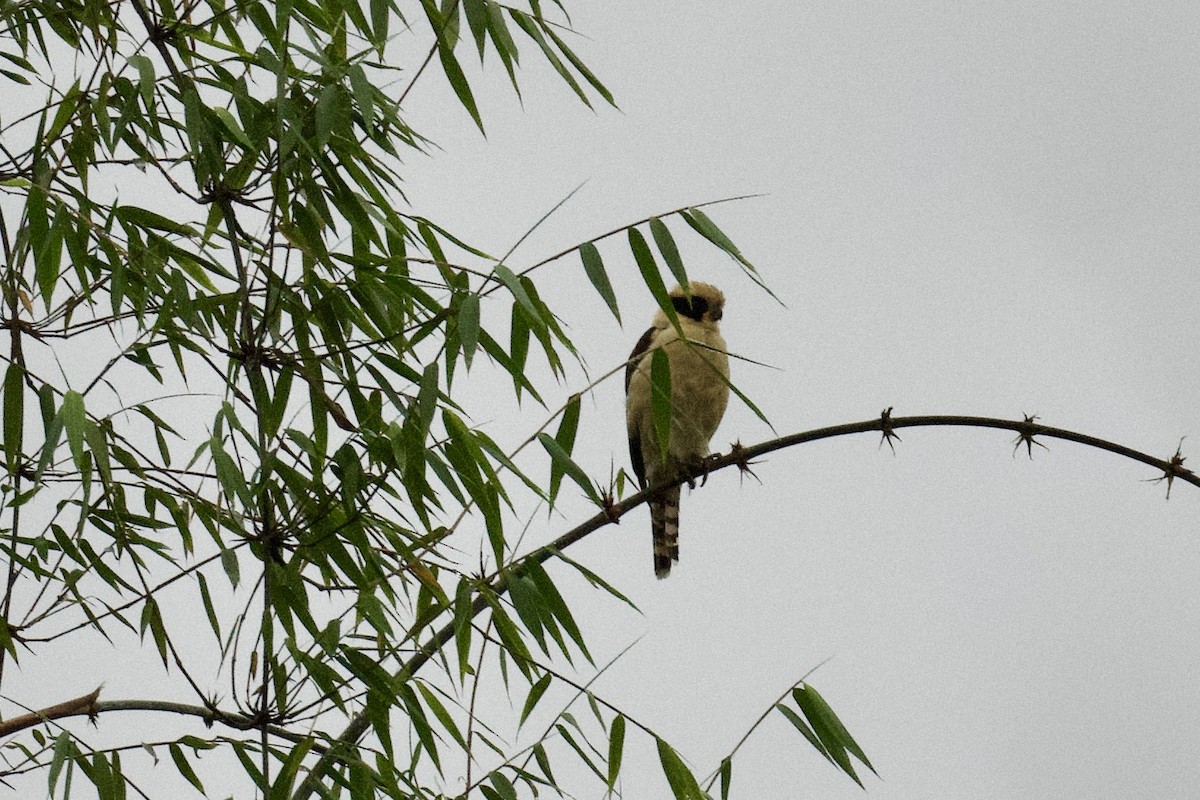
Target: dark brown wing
{"points": [[635, 357], [635, 441]]}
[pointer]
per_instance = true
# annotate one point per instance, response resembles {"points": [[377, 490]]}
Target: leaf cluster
{"points": [[230, 390]]}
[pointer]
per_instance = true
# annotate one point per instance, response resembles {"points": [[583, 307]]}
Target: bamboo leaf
{"points": [[468, 326], [14, 414], [651, 275], [829, 728], [805, 731], [152, 619], [616, 749], [67, 109], [450, 21], [683, 783], [533, 28], [291, 767], [543, 761], [427, 399], [209, 610], [518, 348], [229, 563], [231, 126], [506, 48], [185, 769], [595, 580], [462, 626], [364, 94], [98, 446], [504, 788], [556, 605], [564, 463], [6, 639], [42, 235], [535, 694], [332, 114], [670, 252], [511, 282], [834, 750], [701, 223], [64, 749], [54, 428], [593, 267], [528, 602], [147, 219], [17, 77], [510, 636], [579, 750], [276, 407], [443, 716], [581, 67], [476, 11], [232, 481], [458, 82], [74, 417]]}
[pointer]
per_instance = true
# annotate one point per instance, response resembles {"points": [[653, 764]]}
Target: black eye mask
{"points": [[693, 309]]}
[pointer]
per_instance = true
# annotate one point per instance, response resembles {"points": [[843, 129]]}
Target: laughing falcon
{"points": [[699, 393]]}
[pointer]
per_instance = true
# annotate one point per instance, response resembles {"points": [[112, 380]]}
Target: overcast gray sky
{"points": [[971, 208], [976, 208]]}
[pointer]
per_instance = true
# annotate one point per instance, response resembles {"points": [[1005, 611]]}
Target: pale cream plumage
{"points": [[699, 394]]}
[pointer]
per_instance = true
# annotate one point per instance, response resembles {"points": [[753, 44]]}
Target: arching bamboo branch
{"points": [[1027, 430], [92, 706]]}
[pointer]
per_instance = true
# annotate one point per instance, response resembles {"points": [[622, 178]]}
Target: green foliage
{"points": [[245, 352], [824, 731]]}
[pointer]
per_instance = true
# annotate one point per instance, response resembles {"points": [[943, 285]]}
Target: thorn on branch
{"points": [[889, 433], [210, 711], [262, 717], [609, 508], [1174, 468], [608, 500], [27, 469], [743, 464], [221, 194], [1028, 430], [253, 354], [85, 705], [163, 34]]}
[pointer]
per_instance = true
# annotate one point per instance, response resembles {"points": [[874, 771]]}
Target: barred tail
{"points": [[664, 525]]}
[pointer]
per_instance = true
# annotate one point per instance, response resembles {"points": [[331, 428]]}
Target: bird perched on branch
{"points": [[699, 392]]}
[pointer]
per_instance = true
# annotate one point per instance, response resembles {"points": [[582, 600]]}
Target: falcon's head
{"points": [[701, 302]]}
